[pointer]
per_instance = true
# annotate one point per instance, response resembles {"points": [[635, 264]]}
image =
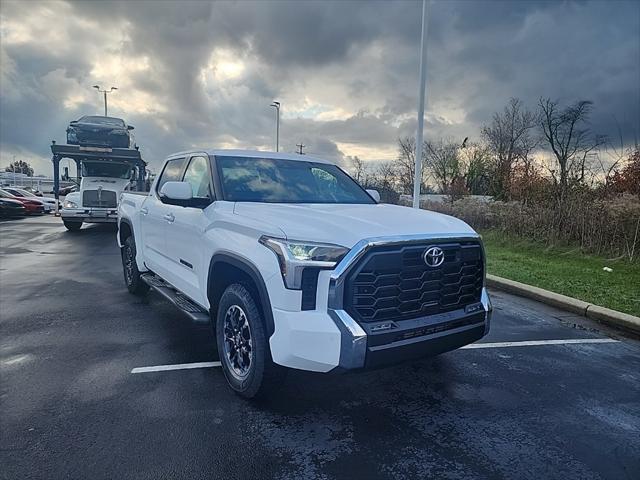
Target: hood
{"points": [[107, 183], [348, 224]]}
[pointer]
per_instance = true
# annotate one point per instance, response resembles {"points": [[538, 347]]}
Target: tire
{"points": [[132, 277], [250, 372], [72, 226]]}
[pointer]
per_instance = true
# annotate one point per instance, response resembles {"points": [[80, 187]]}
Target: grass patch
{"points": [[566, 271]]}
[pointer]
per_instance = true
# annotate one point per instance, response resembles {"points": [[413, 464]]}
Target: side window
{"points": [[197, 174], [171, 172]]}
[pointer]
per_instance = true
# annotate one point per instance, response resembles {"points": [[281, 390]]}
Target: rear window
{"points": [[103, 120]]}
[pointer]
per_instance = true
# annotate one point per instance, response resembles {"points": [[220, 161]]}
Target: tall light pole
{"points": [[276, 105], [417, 181], [97, 87]]}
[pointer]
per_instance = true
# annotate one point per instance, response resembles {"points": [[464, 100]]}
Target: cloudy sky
{"points": [[198, 74]]}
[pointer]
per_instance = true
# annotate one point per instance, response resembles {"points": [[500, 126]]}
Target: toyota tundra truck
{"points": [[295, 265]]}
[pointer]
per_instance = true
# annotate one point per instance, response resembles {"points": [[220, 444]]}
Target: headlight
{"points": [[294, 256], [71, 134], [69, 204]]}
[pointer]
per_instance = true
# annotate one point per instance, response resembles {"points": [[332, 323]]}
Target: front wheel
{"points": [[243, 346], [72, 226], [132, 278]]}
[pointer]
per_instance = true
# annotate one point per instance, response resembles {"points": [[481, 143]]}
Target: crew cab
{"points": [[295, 265]]}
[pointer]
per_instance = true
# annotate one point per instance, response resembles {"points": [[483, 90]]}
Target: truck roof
{"points": [[255, 154]]}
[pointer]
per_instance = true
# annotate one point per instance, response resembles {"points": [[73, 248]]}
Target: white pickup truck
{"points": [[295, 265]]}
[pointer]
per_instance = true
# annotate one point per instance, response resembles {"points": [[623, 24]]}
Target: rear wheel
{"points": [[132, 278], [242, 344], [72, 226]]}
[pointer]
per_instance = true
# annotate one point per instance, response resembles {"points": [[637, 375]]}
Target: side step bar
{"points": [[195, 312]]}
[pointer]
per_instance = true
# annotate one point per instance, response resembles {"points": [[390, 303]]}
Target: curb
{"points": [[594, 312]]}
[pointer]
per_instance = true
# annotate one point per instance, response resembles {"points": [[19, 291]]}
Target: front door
{"points": [[185, 236], [155, 220]]}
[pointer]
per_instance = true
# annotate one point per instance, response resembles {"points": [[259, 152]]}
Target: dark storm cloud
{"points": [[354, 62]]}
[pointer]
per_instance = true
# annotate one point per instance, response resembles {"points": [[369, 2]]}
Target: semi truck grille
{"points": [[395, 282], [102, 198]]}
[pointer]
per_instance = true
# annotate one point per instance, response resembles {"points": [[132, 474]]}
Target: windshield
{"points": [[103, 121], [286, 181], [105, 169]]}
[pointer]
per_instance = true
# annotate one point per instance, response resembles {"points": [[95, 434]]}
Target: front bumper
{"points": [[328, 338], [364, 347], [90, 215]]}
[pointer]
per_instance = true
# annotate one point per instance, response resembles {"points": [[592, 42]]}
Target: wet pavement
{"points": [[70, 335]]}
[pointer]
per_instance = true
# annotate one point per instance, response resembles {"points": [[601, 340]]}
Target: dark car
{"points": [[30, 205], [96, 131], [11, 208]]}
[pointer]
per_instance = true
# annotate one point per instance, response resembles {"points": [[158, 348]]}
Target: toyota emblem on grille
{"points": [[433, 257]]}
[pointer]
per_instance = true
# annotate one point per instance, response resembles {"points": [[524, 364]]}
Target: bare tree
{"points": [[475, 161], [571, 142], [510, 137], [358, 168], [407, 164], [443, 161]]}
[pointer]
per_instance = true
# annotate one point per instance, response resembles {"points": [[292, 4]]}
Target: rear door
{"points": [[155, 219], [185, 235]]}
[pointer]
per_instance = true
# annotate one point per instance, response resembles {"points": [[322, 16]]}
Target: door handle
{"points": [[169, 217], [144, 210]]}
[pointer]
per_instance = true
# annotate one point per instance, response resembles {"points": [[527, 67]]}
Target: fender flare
{"points": [[128, 223], [252, 271]]}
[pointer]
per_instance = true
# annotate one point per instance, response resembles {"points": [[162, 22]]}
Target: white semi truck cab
{"points": [[97, 199], [103, 174], [295, 265]]}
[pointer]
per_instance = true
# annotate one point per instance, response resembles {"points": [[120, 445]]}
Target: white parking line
{"points": [[177, 366], [529, 343], [533, 343]]}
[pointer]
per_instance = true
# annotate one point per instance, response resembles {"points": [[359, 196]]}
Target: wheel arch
{"points": [[125, 230], [229, 268]]}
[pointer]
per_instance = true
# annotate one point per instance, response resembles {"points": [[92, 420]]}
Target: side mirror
{"points": [[130, 127], [374, 194], [176, 192]]}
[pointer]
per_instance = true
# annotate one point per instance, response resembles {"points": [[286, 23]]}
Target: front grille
{"points": [[95, 198], [395, 283]]}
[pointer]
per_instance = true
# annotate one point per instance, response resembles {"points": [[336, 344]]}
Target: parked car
{"points": [[49, 203], [295, 265], [11, 208], [100, 131], [34, 191], [67, 190], [32, 206]]}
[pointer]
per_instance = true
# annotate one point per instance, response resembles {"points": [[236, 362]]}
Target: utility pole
{"points": [[300, 147], [417, 181], [97, 87], [276, 105]]}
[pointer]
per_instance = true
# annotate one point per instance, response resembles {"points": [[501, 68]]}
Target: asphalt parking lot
{"points": [[71, 408]]}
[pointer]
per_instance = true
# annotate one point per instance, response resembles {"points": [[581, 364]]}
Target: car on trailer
{"points": [[99, 131]]}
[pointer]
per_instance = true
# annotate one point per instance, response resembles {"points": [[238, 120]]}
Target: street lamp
{"points": [[276, 105], [97, 87], [417, 181]]}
